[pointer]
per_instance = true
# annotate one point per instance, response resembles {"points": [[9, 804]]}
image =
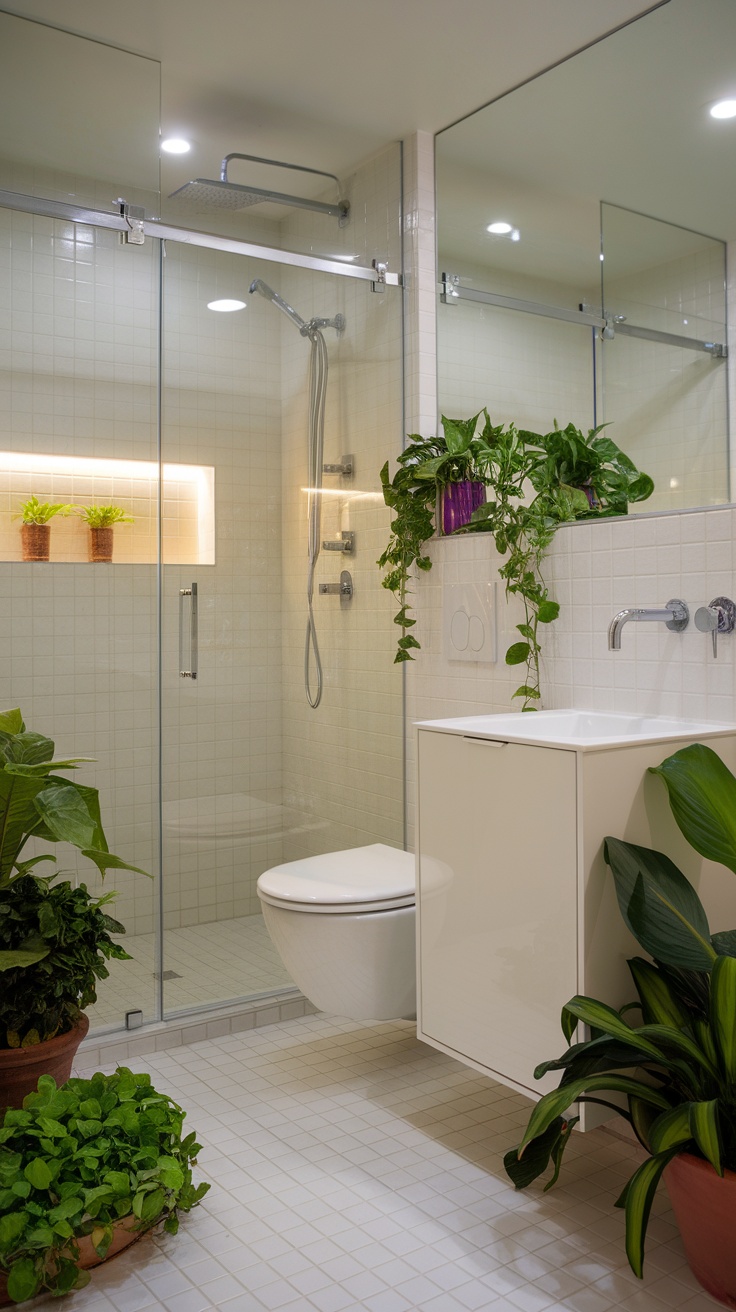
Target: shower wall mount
{"points": [[211, 193]]}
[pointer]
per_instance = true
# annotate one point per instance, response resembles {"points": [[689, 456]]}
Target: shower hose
{"points": [[317, 392]]}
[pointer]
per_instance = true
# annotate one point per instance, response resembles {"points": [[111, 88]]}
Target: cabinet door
{"points": [[496, 904]]}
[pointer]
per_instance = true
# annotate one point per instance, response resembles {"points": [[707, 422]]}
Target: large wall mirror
{"points": [[584, 224]]}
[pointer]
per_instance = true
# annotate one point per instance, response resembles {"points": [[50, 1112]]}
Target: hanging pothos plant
{"points": [[537, 481]]}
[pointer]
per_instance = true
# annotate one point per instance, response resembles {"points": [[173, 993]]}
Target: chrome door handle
{"points": [[190, 673]]}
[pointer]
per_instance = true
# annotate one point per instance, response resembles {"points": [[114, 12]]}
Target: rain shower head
{"points": [[209, 193], [258, 285]]}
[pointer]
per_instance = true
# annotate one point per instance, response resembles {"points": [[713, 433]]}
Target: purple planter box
{"points": [[457, 503]]}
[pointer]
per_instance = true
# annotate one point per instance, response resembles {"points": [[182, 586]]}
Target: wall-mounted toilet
{"points": [[343, 924]]}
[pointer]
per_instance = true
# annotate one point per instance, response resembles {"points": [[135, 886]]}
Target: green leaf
{"points": [[723, 1012], [660, 1005], [21, 958], [555, 1103], [725, 942], [66, 816], [660, 906], [671, 1129], [11, 1226], [517, 653], [522, 1171], [24, 1280], [548, 611], [38, 1174], [702, 794], [640, 1193], [601, 1017]]}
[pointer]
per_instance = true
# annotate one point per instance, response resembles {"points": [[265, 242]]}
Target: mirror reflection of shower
{"points": [[318, 368]]}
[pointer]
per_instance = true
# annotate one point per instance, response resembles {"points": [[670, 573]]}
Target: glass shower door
{"points": [[78, 425], [252, 774]]}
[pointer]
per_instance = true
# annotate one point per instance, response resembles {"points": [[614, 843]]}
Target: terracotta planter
{"points": [[35, 541], [705, 1211], [122, 1237], [100, 545], [21, 1067], [457, 503]]}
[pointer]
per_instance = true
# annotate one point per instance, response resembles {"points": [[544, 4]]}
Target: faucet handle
{"points": [[718, 617]]}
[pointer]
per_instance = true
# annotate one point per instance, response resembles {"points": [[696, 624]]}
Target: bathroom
{"points": [[248, 775]]}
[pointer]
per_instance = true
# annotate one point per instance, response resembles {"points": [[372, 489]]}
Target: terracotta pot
{"points": [[123, 1235], [100, 544], [705, 1211], [457, 503], [21, 1067], [35, 541]]}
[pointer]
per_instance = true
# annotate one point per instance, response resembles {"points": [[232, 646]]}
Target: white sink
{"points": [[582, 730]]}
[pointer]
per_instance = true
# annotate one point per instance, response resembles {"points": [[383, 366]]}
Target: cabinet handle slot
{"points": [[487, 742]]}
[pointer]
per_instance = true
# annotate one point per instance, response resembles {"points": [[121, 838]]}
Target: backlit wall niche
{"points": [[187, 503]]}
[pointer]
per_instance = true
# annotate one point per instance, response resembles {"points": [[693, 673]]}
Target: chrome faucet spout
{"points": [[675, 614]]}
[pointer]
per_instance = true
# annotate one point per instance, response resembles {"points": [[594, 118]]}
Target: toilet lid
{"points": [[375, 878]]}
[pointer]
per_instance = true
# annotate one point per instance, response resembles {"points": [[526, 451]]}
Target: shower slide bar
{"points": [[452, 292], [56, 209], [192, 672]]}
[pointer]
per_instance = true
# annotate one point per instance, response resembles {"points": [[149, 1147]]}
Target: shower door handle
{"points": [[190, 673]]}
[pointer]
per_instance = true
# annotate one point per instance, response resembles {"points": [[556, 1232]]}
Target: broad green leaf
{"points": [[548, 611], [601, 1017], [671, 1129], [517, 653], [65, 814], [671, 1040], [20, 958], [723, 1012], [555, 1103], [702, 793], [458, 433], [11, 1226], [660, 1005], [11, 722], [106, 861], [704, 1127], [660, 906], [38, 1174], [640, 1193], [23, 1280], [523, 1171]]}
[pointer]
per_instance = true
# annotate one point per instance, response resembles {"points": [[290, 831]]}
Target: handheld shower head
{"points": [[258, 285]]}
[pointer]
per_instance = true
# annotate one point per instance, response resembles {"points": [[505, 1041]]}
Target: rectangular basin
{"points": [[581, 730]]}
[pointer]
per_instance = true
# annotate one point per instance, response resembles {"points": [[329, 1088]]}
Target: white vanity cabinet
{"points": [[516, 908]]}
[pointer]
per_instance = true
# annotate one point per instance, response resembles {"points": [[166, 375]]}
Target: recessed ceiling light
{"points": [[225, 306], [723, 109], [175, 146], [499, 228]]}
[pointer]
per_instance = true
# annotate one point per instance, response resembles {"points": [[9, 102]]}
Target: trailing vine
{"points": [[574, 476]]}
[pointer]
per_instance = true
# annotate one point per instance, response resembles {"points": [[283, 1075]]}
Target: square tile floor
{"points": [[355, 1168]]}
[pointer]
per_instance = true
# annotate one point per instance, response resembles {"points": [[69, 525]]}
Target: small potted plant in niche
{"points": [[676, 1070], [100, 521], [85, 1170], [574, 476], [55, 937], [35, 530]]}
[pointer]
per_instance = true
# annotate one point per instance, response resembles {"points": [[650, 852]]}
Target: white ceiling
{"points": [[326, 82]]}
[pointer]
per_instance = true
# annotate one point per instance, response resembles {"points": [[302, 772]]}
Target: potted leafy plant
{"points": [[677, 1069], [573, 476], [35, 530], [85, 1170], [100, 521], [55, 937]]}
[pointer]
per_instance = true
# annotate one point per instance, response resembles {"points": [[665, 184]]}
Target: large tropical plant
{"points": [[676, 1070], [54, 938]]}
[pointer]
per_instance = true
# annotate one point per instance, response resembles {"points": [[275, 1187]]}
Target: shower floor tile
{"points": [[210, 963], [355, 1168]]}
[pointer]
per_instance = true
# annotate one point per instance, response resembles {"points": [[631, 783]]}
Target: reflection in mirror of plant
{"points": [[573, 476]]}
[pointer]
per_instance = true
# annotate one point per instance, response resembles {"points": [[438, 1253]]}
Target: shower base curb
{"points": [[119, 1047]]}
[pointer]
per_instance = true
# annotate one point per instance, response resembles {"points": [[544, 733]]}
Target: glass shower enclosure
{"points": [[179, 666]]}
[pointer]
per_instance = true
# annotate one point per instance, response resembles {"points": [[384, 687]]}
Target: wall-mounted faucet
{"points": [[675, 614]]}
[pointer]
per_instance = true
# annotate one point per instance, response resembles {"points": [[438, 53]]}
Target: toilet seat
{"points": [[354, 881]]}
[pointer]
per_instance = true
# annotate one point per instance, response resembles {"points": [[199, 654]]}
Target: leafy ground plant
{"points": [[54, 938], [677, 1069], [75, 1160]]}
